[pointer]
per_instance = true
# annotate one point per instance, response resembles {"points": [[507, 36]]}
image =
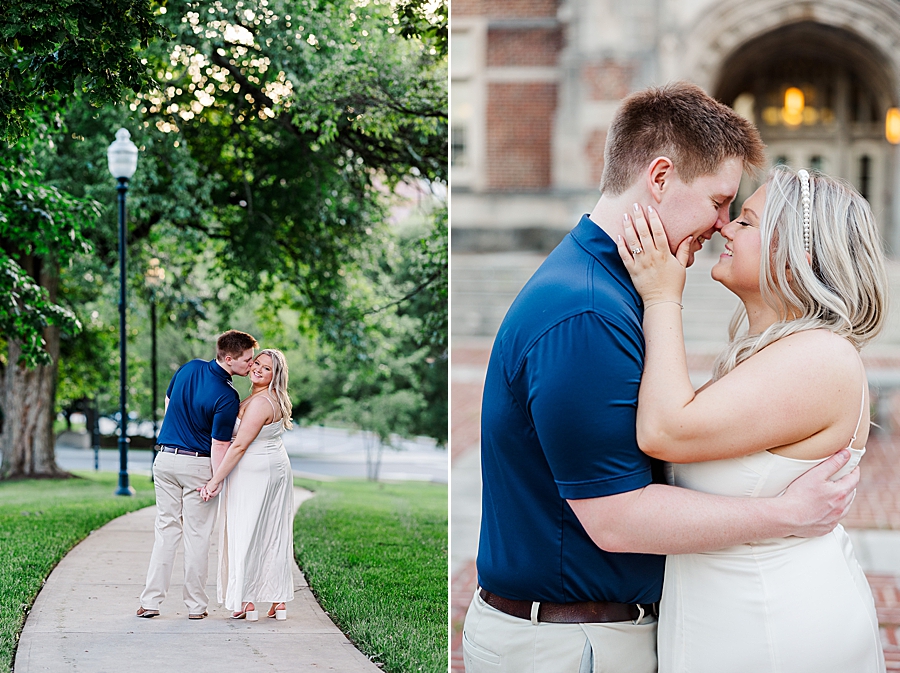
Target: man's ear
{"points": [[659, 174]]}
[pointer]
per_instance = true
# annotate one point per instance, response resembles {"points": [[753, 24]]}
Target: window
{"points": [[865, 175], [458, 155]]}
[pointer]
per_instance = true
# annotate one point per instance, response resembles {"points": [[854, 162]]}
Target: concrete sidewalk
{"points": [[83, 618]]}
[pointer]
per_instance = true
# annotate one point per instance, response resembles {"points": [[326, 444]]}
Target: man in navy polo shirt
{"points": [[201, 408], [575, 519]]}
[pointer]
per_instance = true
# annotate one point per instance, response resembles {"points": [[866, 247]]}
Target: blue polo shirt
{"points": [[558, 423], [203, 405]]}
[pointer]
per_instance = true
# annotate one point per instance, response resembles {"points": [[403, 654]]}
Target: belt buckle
{"points": [[641, 614]]}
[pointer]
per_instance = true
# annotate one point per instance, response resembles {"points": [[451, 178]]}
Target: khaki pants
{"points": [[180, 512], [494, 642]]}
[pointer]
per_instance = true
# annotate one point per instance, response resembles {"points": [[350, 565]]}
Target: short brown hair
{"points": [[234, 343], [682, 122]]}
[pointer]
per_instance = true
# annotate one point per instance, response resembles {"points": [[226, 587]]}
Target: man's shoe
{"points": [[144, 612], [199, 616]]}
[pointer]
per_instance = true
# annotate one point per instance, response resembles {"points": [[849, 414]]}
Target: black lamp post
{"points": [[122, 156], [154, 278]]}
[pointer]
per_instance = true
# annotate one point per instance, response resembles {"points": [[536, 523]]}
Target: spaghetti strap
{"points": [[275, 409], [276, 412], [862, 404]]}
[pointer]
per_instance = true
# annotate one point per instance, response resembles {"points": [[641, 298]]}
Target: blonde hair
{"points": [[844, 287], [681, 121], [278, 386]]}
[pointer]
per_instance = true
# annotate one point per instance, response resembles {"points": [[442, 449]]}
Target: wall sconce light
{"points": [[794, 102], [892, 126]]}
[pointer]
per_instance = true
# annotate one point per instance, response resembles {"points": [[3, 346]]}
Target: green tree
{"points": [[41, 227], [304, 112], [51, 49], [270, 148], [393, 383]]}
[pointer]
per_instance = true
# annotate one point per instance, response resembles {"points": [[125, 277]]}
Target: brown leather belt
{"points": [[590, 612], [179, 451]]}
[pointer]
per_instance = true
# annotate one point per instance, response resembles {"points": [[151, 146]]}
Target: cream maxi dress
{"points": [[256, 539], [792, 605]]}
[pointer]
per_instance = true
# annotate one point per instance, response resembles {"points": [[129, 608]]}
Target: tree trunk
{"points": [[29, 402], [374, 451]]}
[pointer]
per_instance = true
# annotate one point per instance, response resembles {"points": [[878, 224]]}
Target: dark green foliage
{"points": [[52, 49], [272, 137], [38, 221]]}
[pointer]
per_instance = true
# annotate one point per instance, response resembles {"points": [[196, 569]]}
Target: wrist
{"points": [[670, 302], [653, 297], [783, 517]]}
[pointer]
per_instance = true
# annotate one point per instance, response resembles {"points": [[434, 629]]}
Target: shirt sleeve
{"points": [[172, 382], [224, 416], [581, 382]]}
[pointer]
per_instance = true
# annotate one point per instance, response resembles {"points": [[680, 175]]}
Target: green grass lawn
{"points": [[375, 556], [40, 521]]}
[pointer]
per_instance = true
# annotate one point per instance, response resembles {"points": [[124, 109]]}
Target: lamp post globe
{"points": [[122, 156]]}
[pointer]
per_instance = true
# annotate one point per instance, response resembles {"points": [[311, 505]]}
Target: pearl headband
{"points": [[807, 202]]}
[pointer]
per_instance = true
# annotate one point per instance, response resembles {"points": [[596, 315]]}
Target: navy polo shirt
{"points": [[558, 423], [203, 405]]}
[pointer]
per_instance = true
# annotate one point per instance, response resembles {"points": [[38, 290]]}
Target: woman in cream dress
{"points": [[256, 542], [805, 260]]}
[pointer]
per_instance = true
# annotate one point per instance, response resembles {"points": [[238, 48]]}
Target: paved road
{"points": [[315, 451]]}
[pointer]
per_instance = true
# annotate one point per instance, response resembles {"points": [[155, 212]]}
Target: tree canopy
{"points": [[275, 136]]}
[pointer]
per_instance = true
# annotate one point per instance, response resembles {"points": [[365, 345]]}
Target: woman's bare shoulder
{"points": [[256, 405], [817, 343], [815, 354]]}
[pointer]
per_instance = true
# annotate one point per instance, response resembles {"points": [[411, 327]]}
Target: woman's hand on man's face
{"points": [[657, 274]]}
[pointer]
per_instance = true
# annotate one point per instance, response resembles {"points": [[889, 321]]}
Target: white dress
{"points": [[256, 538], [790, 605]]}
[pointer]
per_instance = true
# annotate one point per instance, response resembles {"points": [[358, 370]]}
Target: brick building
{"points": [[535, 84]]}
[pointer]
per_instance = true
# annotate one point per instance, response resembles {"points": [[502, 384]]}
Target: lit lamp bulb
{"points": [[794, 102], [892, 126]]}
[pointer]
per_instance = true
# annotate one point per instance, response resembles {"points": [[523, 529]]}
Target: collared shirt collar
{"points": [[219, 370], [597, 243]]}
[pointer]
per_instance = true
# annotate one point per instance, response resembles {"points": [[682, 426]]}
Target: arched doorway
{"points": [[844, 52], [819, 96]]}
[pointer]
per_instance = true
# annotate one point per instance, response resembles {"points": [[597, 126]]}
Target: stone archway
{"points": [[851, 50], [729, 25]]}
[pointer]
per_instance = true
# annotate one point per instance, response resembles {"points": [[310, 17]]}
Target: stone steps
{"points": [[484, 285]]}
